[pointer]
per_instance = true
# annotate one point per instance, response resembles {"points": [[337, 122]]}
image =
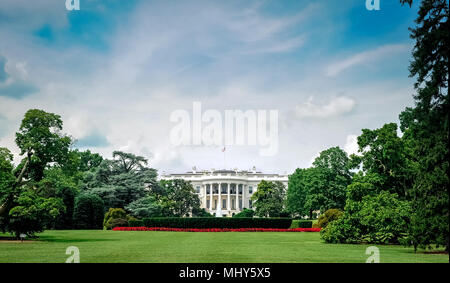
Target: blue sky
{"points": [[115, 70]]}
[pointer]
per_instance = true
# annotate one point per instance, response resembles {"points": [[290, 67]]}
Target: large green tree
{"points": [[426, 126], [297, 193], [121, 180], [25, 205], [178, 198], [320, 187], [269, 199], [328, 185], [383, 160]]}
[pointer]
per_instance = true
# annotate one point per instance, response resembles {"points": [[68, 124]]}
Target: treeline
{"points": [[398, 192], [58, 187]]}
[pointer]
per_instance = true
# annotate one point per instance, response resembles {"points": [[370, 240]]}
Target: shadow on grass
{"points": [[56, 239]]}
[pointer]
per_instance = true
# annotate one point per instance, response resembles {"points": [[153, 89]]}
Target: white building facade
{"points": [[226, 192]]}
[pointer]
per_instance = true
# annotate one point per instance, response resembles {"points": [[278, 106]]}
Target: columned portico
{"points": [[225, 192]]}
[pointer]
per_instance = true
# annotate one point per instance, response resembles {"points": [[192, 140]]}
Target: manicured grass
{"points": [[120, 246]]}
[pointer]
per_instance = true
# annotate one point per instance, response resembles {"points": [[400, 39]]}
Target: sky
{"points": [[116, 70]]}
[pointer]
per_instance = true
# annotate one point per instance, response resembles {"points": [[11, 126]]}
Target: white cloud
{"points": [[335, 107], [362, 58], [351, 144]]}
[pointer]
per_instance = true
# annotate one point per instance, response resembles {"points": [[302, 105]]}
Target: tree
{"points": [[23, 203], [297, 193], [426, 126], [88, 212], [57, 184], [268, 199], [328, 184], [377, 209], [40, 139], [320, 187], [382, 156], [145, 207], [122, 180], [178, 198]]}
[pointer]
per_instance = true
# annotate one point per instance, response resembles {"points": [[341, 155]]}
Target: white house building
{"points": [[225, 192]]}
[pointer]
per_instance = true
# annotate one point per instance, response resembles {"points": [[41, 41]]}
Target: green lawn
{"points": [[119, 246]]}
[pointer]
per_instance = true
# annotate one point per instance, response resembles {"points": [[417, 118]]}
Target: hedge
{"points": [[135, 223], [301, 224], [213, 222]]}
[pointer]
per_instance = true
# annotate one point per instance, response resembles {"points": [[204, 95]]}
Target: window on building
{"points": [[224, 203], [207, 203], [250, 204], [197, 189], [250, 190], [215, 204]]}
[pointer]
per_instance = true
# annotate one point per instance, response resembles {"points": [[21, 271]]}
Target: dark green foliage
{"points": [[320, 187], [379, 219], [201, 213], [88, 212], [145, 207], [245, 213], [301, 224], [268, 200], [27, 206], [32, 213], [328, 216], [120, 181], [39, 139], [177, 198], [217, 222], [426, 126], [135, 223]]}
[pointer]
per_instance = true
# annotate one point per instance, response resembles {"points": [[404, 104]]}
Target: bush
{"points": [[113, 213], [301, 224], [88, 212], [379, 219], [218, 222], [328, 216], [248, 213], [116, 222]]}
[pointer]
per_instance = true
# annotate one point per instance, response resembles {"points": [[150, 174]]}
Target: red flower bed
{"points": [[215, 229]]}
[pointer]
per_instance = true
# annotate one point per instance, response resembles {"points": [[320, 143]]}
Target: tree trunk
{"points": [[4, 208]]}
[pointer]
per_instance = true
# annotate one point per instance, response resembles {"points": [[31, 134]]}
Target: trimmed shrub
{"points": [[217, 222], [135, 223], [116, 222], [113, 213], [328, 216], [301, 224], [245, 213]]}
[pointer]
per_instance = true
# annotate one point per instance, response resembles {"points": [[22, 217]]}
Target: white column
{"points": [[236, 186], [243, 196], [210, 198], [220, 196], [228, 197], [204, 195]]}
